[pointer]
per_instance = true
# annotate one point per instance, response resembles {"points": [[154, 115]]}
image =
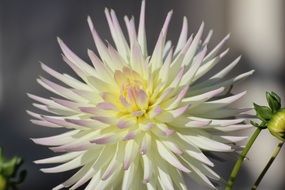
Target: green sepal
{"points": [[274, 101], [262, 125], [276, 96], [263, 112], [254, 124]]}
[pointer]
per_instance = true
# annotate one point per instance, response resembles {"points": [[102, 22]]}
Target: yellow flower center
{"points": [[133, 96]]}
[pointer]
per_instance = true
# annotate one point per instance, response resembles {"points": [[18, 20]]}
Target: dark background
{"points": [[28, 31]]}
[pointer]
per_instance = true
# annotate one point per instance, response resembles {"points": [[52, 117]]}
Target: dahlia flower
{"points": [[136, 120]]}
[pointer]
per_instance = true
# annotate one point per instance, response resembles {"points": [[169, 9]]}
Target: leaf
{"points": [[263, 112]]}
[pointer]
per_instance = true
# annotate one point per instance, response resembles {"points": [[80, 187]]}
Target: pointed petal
{"points": [[141, 31], [170, 157], [131, 152], [183, 36]]}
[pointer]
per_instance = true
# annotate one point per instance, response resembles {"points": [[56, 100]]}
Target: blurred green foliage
{"points": [[10, 177]]}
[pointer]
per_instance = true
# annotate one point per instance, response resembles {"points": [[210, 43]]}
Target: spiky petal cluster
{"points": [[138, 121]]}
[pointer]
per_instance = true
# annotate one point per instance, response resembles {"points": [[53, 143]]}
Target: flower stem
{"points": [[271, 160], [238, 163]]}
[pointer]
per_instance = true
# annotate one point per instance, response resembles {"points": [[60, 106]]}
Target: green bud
{"points": [[10, 176], [276, 125], [3, 183]]}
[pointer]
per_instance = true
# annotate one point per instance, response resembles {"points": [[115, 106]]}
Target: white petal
{"points": [[216, 49], [203, 97], [194, 46], [105, 139], [165, 180], [117, 34], [223, 113], [174, 102], [227, 69], [178, 78], [98, 84], [214, 84], [162, 129], [141, 30], [102, 70], [131, 151], [138, 62], [101, 47], [147, 168], [164, 70], [145, 144], [129, 175], [206, 143], [130, 23], [78, 62], [45, 123], [75, 163], [199, 176], [57, 139], [208, 38], [68, 80], [59, 159], [60, 90], [216, 104], [183, 36], [74, 178], [190, 74], [170, 157], [234, 127], [167, 48], [157, 56], [172, 146], [94, 181], [207, 66]]}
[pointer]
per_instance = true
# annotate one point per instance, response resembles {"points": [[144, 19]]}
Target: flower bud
{"points": [[276, 125], [3, 183]]}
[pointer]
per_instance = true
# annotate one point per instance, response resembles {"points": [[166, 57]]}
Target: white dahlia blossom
{"points": [[136, 120]]}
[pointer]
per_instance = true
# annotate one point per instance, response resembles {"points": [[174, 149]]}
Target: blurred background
{"points": [[28, 31]]}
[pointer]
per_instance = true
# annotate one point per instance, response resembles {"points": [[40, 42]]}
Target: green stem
{"points": [[271, 160], [238, 163]]}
